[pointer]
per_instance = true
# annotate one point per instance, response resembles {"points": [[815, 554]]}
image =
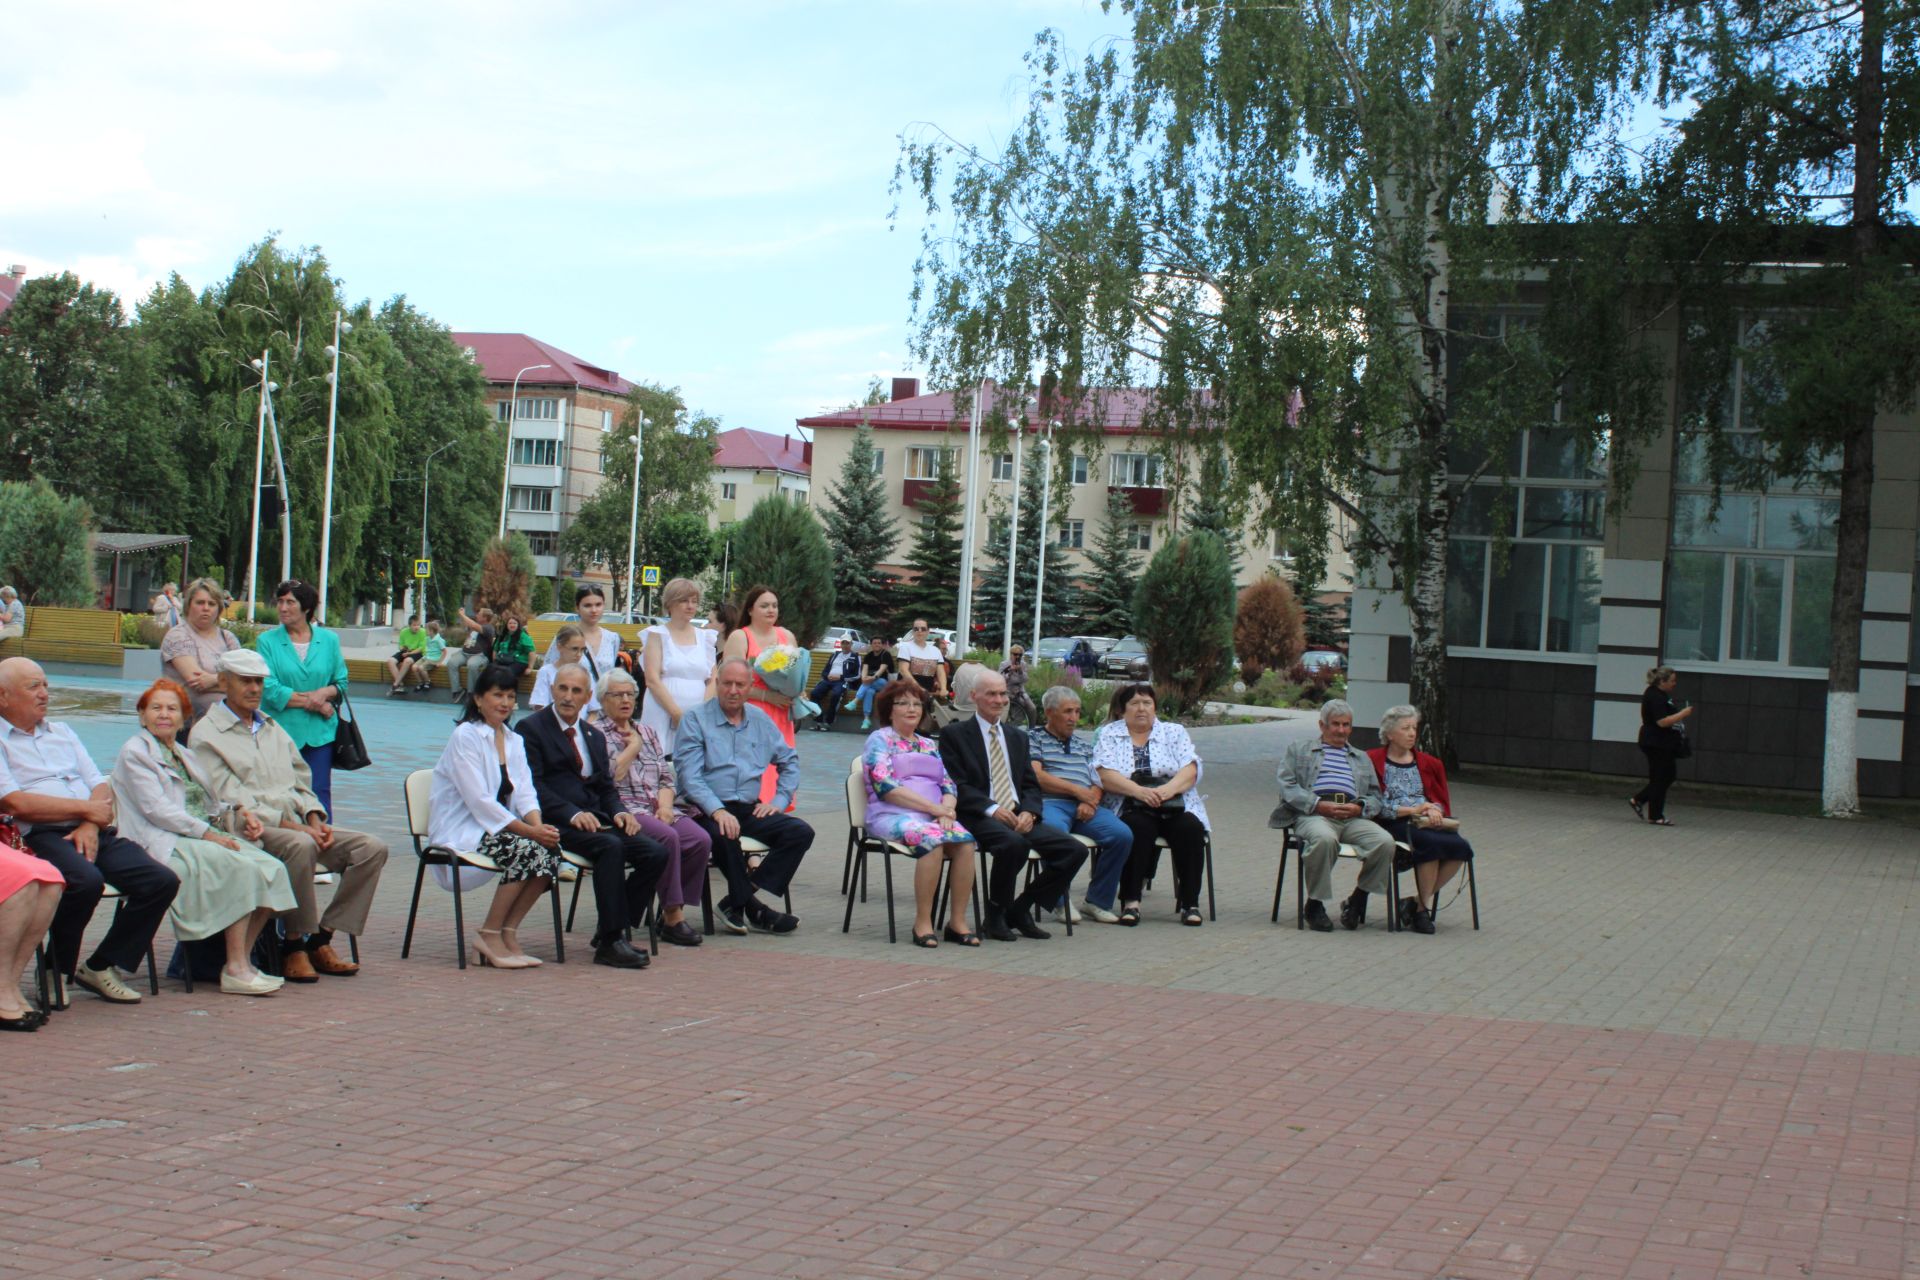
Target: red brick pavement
{"points": [[744, 1113]]}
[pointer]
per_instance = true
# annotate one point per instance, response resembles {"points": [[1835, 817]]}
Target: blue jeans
{"points": [[320, 762], [868, 692], [1114, 844]]}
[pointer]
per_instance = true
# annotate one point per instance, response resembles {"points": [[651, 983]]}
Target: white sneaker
{"points": [[1099, 915], [260, 984], [1060, 913], [106, 984]]}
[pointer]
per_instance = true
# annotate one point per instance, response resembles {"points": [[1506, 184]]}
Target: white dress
{"points": [[603, 658], [684, 669]]}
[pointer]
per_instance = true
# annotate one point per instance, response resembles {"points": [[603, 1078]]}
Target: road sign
{"points": [[423, 568], [649, 575]]}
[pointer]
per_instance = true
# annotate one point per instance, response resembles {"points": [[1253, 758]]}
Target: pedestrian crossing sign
{"points": [[649, 575], [423, 568]]}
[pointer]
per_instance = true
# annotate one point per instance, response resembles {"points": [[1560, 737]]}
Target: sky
{"points": [[694, 194]]}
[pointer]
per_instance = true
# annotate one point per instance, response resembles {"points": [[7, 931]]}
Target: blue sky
{"points": [[693, 194]]}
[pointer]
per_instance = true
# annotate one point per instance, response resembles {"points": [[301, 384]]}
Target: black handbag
{"points": [[349, 748], [1148, 778]]}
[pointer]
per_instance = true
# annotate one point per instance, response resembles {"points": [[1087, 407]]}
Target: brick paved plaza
{"points": [[1690, 1052]]}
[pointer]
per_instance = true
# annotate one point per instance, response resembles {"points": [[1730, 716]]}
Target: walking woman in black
{"points": [[1663, 741]]}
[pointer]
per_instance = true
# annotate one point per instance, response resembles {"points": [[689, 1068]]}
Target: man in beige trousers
{"points": [[252, 763]]}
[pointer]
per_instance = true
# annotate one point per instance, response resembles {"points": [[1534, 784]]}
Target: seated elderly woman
{"points": [[1148, 769], [569, 643], [164, 805], [911, 800], [1418, 813], [30, 890], [483, 800], [643, 777]]}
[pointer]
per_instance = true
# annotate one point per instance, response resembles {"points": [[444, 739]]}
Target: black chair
{"points": [[860, 845], [1473, 888], [52, 985], [1207, 848], [419, 791], [1291, 843]]}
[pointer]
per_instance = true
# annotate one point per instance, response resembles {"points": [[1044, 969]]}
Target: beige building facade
{"points": [[751, 466]]}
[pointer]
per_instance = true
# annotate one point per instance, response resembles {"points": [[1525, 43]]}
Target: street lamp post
{"points": [[964, 622], [259, 463], [1046, 494], [1013, 532], [426, 492], [340, 326], [633, 517], [513, 417]]}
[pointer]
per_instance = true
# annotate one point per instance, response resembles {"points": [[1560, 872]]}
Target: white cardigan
{"points": [[462, 807], [150, 799]]}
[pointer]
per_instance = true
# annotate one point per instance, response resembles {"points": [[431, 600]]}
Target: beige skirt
{"points": [[219, 886]]}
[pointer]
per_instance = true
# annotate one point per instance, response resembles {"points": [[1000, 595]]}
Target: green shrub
{"points": [[46, 545], [1183, 610], [780, 545], [130, 632]]}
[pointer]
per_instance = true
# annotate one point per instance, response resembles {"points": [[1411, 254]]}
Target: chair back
{"points": [[857, 796], [419, 792]]}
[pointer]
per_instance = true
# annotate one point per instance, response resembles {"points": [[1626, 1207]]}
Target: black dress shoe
{"points": [[680, 934], [1422, 920], [1317, 916], [996, 926], [1353, 912], [619, 954], [1020, 916]]}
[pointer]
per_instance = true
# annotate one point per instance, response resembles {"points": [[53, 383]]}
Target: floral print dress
{"points": [[891, 763]]}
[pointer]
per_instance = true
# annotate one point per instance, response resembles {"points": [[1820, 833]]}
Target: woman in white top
{"points": [[483, 801], [601, 646], [569, 646], [677, 662]]}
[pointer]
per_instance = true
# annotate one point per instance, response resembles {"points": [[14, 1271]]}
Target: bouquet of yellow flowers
{"points": [[784, 668]]}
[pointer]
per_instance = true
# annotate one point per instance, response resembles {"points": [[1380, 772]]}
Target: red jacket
{"points": [[1433, 776]]}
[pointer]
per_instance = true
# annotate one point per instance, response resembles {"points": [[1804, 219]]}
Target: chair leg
{"points": [[846, 866], [1208, 847], [1299, 885], [579, 874], [886, 866], [1280, 881], [706, 904], [1473, 896], [559, 934], [413, 910], [353, 945], [459, 920], [854, 868]]}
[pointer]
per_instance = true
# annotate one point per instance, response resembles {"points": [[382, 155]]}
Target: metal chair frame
{"points": [[860, 845], [1292, 843], [418, 791]]}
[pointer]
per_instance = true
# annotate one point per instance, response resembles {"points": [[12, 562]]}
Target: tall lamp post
{"points": [[1046, 494], [968, 526], [1013, 530], [426, 492], [513, 417], [633, 517], [340, 326], [259, 462]]}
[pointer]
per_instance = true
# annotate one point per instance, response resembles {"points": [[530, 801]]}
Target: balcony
{"points": [[912, 491], [534, 521], [1145, 502], [524, 475]]}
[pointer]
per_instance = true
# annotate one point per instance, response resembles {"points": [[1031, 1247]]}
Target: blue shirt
{"points": [[1335, 776], [718, 761], [1069, 761]]}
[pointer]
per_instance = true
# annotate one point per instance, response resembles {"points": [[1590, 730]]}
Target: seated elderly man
{"points": [[1330, 788], [65, 806], [843, 670], [1063, 763], [253, 765], [721, 750], [13, 614]]}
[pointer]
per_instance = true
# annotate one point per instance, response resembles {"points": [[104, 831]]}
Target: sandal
{"points": [[964, 939], [1639, 807], [1663, 822], [1190, 916], [925, 940], [1130, 915]]}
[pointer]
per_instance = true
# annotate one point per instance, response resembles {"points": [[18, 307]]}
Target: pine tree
{"points": [[780, 545], [935, 559], [1106, 602], [1212, 510], [1183, 609], [861, 534]]}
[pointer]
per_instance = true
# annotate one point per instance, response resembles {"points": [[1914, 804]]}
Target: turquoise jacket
{"points": [[289, 675]]}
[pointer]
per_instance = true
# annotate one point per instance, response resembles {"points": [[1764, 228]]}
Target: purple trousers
{"points": [[689, 849]]}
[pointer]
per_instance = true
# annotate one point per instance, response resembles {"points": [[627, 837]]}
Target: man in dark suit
{"points": [[568, 758], [1000, 803]]}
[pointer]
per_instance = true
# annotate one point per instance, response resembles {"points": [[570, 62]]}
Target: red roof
{"points": [[763, 451], [10, 285], [501, 355], [1117, 410]]}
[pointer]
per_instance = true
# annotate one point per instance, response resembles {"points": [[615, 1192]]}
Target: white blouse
{"points": [[466, 781], [604, 657], [1169, 750]]}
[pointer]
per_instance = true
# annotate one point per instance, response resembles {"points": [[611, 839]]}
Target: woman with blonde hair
{"points": [[190, 653], [677, 661]]}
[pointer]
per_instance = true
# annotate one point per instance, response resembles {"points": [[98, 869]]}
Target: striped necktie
{"points": [[999, 775]]}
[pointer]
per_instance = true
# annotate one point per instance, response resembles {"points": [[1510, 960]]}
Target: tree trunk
{"points": [[1840, 771]]}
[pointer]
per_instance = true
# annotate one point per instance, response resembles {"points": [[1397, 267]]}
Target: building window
{"points": [[542, 542], [539, 407], [503, 410], [529, 499], [536, 453], [1281, 551], [1078, 465], [1140, 536], [1003, 466], [1545, 597], [998, 529], [1073, 533], [924, 463], [606, 420], [879, 462], [1135, 471], [729, 491]]}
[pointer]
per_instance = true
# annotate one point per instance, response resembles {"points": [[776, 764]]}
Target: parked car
{"points": [[556, 616], [1068, 651], [835, 635], [1126, 660], [1323, 660]]}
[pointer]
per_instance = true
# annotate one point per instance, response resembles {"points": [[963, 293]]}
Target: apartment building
{"points": [[566, 405], [912, 430], [750, 466]]}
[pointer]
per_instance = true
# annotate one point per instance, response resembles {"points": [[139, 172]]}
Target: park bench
{"points": [[68, 635]]}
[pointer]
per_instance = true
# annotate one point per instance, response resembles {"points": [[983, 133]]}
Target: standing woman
{"points": [[1663, 741], [1148, 769], [190, 653], [602, 643], [677, 660], [760, 629], [513, 647], [306, 677], [483, 799]]}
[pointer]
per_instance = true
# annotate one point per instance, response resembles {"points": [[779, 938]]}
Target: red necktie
{"points": [[575, 744]]}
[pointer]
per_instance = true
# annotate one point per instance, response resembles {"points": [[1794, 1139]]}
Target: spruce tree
{"points": [[1106, 600], [1212, 510], [860, 533], [780, 545], [1183, 610], [935, 591]]}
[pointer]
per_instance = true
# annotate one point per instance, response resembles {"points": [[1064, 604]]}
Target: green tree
{"points": [[1268, 214], [935, 558], [542, 597], [679, 542], [1058, 604], [1113, 572], [1212, 510], [1326, 623], [1183, 612], [46, 544], [780, 545], [861, 533], [506, 575]]}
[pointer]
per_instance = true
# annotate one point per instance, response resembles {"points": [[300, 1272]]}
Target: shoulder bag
{"points": [[349, 748]]}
